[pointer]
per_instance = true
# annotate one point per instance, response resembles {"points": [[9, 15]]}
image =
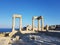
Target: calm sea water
{"points": [[5, 29]]}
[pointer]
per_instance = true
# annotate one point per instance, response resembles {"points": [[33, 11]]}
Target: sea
{"points": [[5, 29]]}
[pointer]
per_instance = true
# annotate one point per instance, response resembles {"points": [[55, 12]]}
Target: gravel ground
{"points": [[37, 40], [41, 39]]}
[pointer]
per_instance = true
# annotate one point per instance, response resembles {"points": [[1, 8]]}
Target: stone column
{"points": [[47, 27], [27, 28], [13, 23], [17, 38], [38, 25], [20, 24], [32, 24], [42, 26]]}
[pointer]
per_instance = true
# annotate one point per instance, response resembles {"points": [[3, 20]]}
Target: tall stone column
{"points": [[20, 24], [42, 26], [38, 25], [32, 24], [13, 23]]}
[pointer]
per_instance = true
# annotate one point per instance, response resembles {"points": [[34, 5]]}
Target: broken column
{"points": [[27, 28], [47, 28], [17, 38]]}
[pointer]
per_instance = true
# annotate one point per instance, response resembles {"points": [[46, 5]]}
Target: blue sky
{"points": [[49, 9]]}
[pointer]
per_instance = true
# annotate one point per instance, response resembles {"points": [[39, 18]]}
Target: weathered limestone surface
{"points": [[47, 27], [34, 18], [13, 24], [13, 21], [33, 29], [5, 40], [12, 33], [40, 28]]}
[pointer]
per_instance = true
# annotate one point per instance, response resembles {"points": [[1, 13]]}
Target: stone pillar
{"points": [[38, 25], [33, 24], [13, 23], [27, 28], [47, 28], [17, 38], [42, 26], [20, 24]]}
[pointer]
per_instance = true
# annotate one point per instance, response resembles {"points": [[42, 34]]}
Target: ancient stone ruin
{"points": [[32, 30]]}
